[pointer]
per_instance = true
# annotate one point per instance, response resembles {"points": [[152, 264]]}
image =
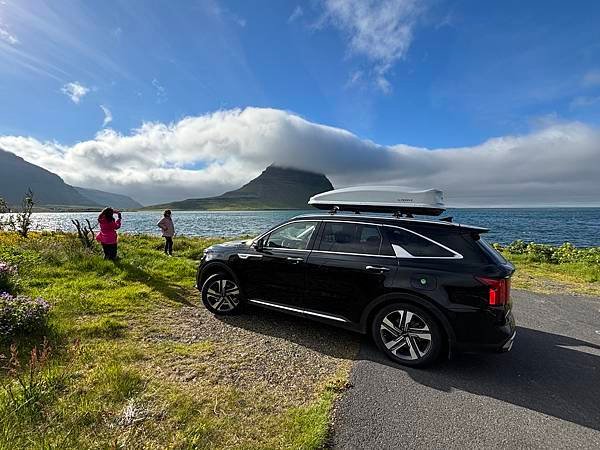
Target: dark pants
{"points": [[168, 245], [110, 251]]}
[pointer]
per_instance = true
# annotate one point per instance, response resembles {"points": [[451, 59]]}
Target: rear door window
{"points": [[408, 245], [343, 237]]}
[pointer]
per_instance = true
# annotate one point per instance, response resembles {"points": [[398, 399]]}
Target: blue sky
{"points": [[473, 70], [433, 74]]}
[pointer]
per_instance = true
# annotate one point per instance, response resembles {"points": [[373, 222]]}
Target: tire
{"points": [[221, 294], [415, 343]]}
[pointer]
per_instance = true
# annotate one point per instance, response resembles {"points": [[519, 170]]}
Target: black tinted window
{"points": [[491, 251], [405, 241], [350, 238]]}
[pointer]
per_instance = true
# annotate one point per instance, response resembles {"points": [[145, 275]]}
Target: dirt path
{"points": [[289, 357]]}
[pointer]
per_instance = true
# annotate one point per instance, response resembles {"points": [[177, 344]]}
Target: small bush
{"points": [[20, 314], [517, 247], [565, 253], [8, 277]]}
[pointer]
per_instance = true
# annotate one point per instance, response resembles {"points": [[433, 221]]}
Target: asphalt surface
{"points": [[545, 393]]}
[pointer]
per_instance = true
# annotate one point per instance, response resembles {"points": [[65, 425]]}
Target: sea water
{"points": [[580, 226]]}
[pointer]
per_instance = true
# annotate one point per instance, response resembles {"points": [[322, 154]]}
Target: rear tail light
{"points": [[499, 290]]}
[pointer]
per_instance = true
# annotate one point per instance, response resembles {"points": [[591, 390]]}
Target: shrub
{"points": [[565, 253], [540, 252], [21, 314], [517, 247], [8, 277]]}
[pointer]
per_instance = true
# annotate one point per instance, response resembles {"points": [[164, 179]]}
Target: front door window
{"points": [[295, 236]]}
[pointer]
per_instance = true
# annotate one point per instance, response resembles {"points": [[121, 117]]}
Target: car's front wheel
{"points": [[407, 334], [221, 294]]}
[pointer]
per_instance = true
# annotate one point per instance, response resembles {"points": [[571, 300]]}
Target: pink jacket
{"points": [[167, 227], [108, 231]]}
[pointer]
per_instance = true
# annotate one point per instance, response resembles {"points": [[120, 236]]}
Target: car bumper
{"points": [[492, 337]]}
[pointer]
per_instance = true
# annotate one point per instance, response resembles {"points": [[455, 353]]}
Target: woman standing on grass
{"points": [[108, 232], [168, 231]]}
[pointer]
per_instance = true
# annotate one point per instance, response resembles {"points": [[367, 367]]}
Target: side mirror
{"points": [[258, 245]]}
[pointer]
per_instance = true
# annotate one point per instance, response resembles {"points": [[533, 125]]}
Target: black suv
{"points": [[420, 287]]}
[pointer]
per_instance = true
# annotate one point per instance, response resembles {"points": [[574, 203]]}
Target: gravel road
{"points": [[545, 393]]}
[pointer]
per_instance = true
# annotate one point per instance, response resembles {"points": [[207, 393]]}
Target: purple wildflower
{"points": [[19, 314]]}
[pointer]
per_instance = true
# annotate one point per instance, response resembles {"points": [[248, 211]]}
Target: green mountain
{"points": [[103, 198], [275, 188], [17, 175]]}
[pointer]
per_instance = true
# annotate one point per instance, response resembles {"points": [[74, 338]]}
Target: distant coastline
{"points": [[67, 208], [578, 225]]}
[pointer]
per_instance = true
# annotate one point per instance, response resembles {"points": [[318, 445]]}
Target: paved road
{"points": [[545, 393]]}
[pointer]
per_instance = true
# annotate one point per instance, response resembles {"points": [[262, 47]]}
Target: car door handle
{"points": [[294, 260], [249, 255], [378, 269]]}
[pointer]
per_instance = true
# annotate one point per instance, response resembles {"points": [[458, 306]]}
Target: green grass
{"points": [[572, 277], [103, 386]]}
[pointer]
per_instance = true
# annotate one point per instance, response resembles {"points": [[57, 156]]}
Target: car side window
{"points": [[295, 235], [350, 238], [406, 244]]}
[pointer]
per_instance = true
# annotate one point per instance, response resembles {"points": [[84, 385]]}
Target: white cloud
{"points": [[107, 115], [209, 154], [381, 31], [592, 78], [5, 35], [296, 14], [75, 91], [161, 92]]}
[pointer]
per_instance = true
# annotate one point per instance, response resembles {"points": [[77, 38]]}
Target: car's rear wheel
{"points": [[221, 294], [407, 334]]}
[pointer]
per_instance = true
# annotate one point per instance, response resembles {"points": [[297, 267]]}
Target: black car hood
{"points": [[229, 245]]}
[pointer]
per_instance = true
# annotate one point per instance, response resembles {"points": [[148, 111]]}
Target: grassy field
{"points": [[573, 277], [134, 363]]}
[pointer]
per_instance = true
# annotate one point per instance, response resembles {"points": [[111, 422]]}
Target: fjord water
{"points": [[580, 226]]}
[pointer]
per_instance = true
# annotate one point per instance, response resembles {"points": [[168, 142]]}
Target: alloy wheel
{"points": [[406, 335], [223, 295]]}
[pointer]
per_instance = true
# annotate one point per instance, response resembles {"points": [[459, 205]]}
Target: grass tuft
{"points": [[104, 327]]}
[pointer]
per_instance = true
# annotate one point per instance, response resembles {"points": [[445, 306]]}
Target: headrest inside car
{"points": [[342, 238]]}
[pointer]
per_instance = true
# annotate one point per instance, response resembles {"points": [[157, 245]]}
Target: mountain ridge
{"points": [[276, 187], [49, 190], [105, 198]]}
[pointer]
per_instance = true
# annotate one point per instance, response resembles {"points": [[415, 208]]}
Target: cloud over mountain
{"points": [[209, 154]]}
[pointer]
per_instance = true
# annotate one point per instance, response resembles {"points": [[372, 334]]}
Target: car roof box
{"points": [[383, 199]]}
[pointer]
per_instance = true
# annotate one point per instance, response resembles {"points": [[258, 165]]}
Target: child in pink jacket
{"points": [[107, 236]]}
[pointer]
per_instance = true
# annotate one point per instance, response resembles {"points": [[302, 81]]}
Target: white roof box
{"points": [[381, 199]]}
